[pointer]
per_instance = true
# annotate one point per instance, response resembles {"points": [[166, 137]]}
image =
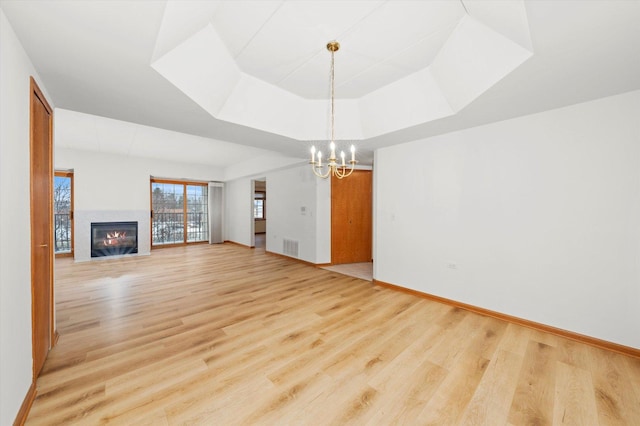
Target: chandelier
{"points": [[333, 167]]}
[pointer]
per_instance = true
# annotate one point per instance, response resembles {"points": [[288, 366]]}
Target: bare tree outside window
{"points": [[62, 211]]}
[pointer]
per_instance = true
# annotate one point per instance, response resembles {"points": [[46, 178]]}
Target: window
{"points": [[63, 213], [259, 205], [179, 212]]}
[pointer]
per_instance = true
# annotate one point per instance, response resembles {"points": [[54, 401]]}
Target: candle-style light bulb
{"points": [[353, 153], [313, 153], [342, 156], [319, 158], [332, 147]]}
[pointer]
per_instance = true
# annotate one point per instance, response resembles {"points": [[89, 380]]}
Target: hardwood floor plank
{"points": [[455, 341], [574, 403], [633, 368], [492, 399], [222, 334], [454, 393], [289, 405], [534, 396], [615, 396]]}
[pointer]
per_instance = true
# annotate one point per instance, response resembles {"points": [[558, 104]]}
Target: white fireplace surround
{"points": [[82, 229]]}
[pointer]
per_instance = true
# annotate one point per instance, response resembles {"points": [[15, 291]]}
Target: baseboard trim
{"points": [[317, 265], [237, 244], [284, 256], [23, 413], [599, 343]]}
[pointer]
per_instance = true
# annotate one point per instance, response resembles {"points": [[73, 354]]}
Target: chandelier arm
{"points": [[315, 169], [345, 174]]}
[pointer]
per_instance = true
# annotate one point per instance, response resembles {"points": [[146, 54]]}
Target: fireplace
{"points": [[113, 238]]}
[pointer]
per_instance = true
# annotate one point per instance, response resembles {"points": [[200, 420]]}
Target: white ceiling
{"points": [[381, 42], [95, 57], [269, 80]]}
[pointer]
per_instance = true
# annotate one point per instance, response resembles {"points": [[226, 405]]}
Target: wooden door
{"points": [[351, 218], [41, 227]]}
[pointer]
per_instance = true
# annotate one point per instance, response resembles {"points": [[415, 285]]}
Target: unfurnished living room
{"points": [[310, 212]]}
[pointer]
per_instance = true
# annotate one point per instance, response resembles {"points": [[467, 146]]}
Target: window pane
{"points": [[62, 213], [258, 209], [167, 224], [197, 213]]}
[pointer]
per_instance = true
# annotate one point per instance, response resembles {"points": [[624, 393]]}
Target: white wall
{"points": [[288, 190], [322, 219], [110, 187], [536, 217], [239, 211], [15, 245], [299, 208]]}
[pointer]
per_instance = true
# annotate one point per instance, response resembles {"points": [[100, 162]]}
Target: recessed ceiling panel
{"points": [[331, 18], [472, 60], [399, 24], [378, 75], [295, 33], [202, 68], [282, 65], [239, 21], [312, 80], [283, 44], [421, 54], [509, 18], [181, 20], [404, 103]]}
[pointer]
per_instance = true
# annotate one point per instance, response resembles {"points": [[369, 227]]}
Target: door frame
{"points": [[34, 93]]}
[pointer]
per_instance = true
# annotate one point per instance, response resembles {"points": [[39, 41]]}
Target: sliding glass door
{"points": [[179, 212]]}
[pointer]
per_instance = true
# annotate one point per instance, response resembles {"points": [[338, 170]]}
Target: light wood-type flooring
{"points": [[225, 335]]}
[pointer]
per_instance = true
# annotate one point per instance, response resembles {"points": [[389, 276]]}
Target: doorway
{"points": [[259, 234], [351, 218], [41, 159]]}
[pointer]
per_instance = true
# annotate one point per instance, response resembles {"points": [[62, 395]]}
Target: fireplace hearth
{"points": [[113, 238]]}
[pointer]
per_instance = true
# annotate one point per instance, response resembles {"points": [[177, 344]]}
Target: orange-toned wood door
{"points": [[41, 227], [351, 218]]}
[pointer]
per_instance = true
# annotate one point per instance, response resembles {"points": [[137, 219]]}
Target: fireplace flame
{"points": [[114, 238]]}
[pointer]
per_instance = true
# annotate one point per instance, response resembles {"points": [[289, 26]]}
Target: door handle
{"points": [[44, 245]]}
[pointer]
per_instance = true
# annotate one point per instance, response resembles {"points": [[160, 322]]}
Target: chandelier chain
{"points": [[334, 168], [333, 110]]}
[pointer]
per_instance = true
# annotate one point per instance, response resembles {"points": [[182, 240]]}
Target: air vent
{"points": [[290, 247]]}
